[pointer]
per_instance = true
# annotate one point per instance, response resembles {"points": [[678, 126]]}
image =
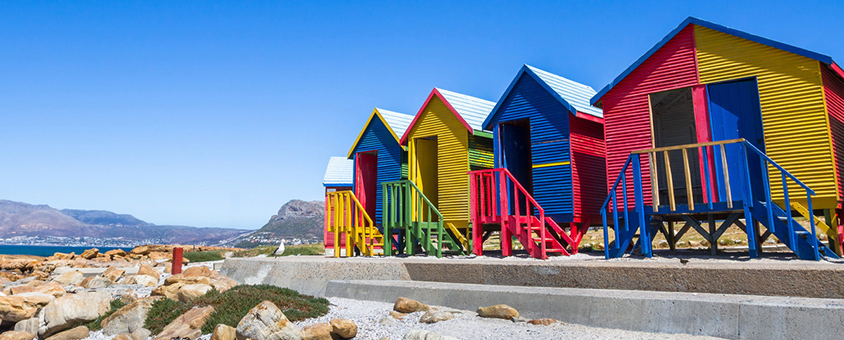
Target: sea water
{"points": [[49, 250]]}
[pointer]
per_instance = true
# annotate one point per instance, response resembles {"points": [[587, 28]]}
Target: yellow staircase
{"points": [[831, 232], [348, 219]]}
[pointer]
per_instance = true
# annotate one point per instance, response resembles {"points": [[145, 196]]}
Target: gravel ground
{"points": [[468, 326]]}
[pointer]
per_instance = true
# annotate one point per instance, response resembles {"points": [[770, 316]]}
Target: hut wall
{"points": [[791, 96], [626, 110], [834, 93], [480, 152], [452, 157], [377, 137], [588, 163]]}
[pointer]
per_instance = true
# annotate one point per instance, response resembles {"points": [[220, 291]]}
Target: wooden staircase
{"points": [[420, 227], [347, 218]]}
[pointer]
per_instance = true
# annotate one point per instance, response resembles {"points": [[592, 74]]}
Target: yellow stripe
{"points": [[536, 166]]}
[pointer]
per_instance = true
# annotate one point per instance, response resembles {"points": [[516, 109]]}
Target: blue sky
{"points": [[216, 113]]}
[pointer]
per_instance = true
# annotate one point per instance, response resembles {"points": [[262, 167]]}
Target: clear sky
{"points": [[216, 113]]}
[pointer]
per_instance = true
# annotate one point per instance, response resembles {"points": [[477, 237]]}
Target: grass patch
{"points": [[261, 250], [204, 256], [95, 325], [233, 305], [304, 249]]}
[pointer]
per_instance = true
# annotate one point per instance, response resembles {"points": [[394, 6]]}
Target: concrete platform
{"points": [[765, 277], [721, 315]]}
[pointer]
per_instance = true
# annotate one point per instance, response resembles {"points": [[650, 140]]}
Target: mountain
{"points": [[296, 219], [43, 222]]}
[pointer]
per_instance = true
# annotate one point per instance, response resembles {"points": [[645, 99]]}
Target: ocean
{"points": [[49, 250]]}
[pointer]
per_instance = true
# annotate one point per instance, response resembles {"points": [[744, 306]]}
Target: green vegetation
{"points": [[233, 305], [95, 325], [204, 256], [301, 249]]}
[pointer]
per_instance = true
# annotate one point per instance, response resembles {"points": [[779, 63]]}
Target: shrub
{"points": [[233, 305], [204, 256], [95, 325]]}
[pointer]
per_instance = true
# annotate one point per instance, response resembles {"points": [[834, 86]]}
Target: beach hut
{"points": [[445, 140], [338, 177], [549, 170], [721, 127]]}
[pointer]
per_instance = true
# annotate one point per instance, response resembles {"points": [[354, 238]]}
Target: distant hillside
{"points": [[22, 219], [297, 218]]}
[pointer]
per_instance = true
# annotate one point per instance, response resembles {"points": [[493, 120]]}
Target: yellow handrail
{"points": [[350, 218]]}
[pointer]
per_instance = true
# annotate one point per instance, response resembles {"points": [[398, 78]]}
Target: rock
{"points": [[129, 318], [16, 335], [169, 291], [20, 307], [140, 250], [498, 311], [221, 282], [434, 316], [113, 274], [124, 336], [96, 282], [29, 325], [158, 256], [197, 271], [266, 322], [76, 333], [90, 253], [694, 244], [72, 310], [148, 270], [19, 289], [142, 334], [397, 315], [144, 280], [662, 244], [180, 278], [405, 305], [70, 278], [225, 332], [388, 321], [191, 292], [544, 321], [419, 334], [187, 325], [115, 252], [319, 331], [344, 328], [51, 288]]}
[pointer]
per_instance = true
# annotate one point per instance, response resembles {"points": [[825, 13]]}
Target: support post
{"points": [[177, 261], [713, 242]]}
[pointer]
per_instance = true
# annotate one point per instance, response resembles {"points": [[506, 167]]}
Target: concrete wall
{"points": [[728, 316]]}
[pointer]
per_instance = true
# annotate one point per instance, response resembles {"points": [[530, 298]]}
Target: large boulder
{"points": [[113, 274], [225, 332], [149, 270], [140, 250], [29, 325], [90, 253], [187, 325], [76, 333], [51, 288], [115, 252], [498, 311], [23, 306], [169, 291], [344, 328], [266, 322], [95, 282], [70, 278], [319, 331], [72, 310], [16, 335], [191, 292], [129, 318], [197, 271]]}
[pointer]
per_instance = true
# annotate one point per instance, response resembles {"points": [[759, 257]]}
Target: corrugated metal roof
{"points": [[473, 110], [577, 94], [396, 121], [339, 172], [724, 29]]}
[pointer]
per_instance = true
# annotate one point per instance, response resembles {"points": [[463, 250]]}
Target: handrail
{"points": [[351, 218], [688, 146], [411, 193]]}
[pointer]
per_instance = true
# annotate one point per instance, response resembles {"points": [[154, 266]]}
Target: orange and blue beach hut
{"points": [[715, 127], [549, 170], [445, 140]]}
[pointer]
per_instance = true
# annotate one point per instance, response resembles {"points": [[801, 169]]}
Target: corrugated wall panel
{"points": [[549, 134], [480, 153], [791, 95], [588, 163], [453, 159], [834, 93], [627, 124], [377, 137]]}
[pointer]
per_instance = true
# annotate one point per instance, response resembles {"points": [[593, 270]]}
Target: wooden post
{"points": [[176, 265], [672, 242], [670, 180], [713, 243], [689, 194]]}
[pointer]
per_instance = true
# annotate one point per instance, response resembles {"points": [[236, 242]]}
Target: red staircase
{"points": [[498, 198]]}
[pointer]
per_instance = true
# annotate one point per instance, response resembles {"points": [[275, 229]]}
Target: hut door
{"points": [[516, 153], [734, 112], [366, 180], [427, 168], [674, 124]]}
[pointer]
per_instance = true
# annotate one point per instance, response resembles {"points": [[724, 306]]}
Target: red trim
{"points": [[422, 109], [694, 49], [837, 70], [589, 117], [701, 111]]}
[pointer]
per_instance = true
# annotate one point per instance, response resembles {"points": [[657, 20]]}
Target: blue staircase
{"points": [[728, 192]]}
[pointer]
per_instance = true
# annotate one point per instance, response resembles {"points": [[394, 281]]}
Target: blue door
{"points": [[734, 112]]}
